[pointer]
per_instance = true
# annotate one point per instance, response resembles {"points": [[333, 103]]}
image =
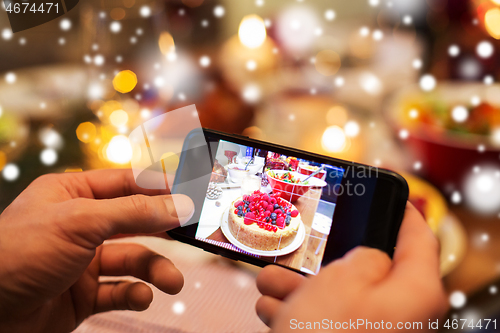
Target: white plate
{"points": [[297, 242]]}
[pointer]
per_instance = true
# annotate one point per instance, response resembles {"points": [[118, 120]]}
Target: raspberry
{"points": [[294, 213], [263, 204], [247, 221], [238, 203], [273, 201], [278, 211], [267, 213], [250, 215], [280, 221]]}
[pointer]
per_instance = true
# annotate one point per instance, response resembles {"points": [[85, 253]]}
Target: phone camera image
{"points": [[271, 206], [267, 204]]}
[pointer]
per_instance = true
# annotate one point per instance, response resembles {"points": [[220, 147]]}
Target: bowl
{"points": [[447, 155], [289, 191], [237, 172], [309, 169]]}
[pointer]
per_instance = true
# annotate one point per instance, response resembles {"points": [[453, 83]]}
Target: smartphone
{"points": [[263, 203]]}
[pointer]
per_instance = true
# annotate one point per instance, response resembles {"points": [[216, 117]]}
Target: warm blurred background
{"points": [[409, 85]]}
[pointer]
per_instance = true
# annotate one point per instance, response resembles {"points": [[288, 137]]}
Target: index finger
{"points": [[417, 249], [110, 183]]}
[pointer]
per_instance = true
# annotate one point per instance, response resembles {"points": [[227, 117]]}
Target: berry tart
{"points": [[263, 222]]}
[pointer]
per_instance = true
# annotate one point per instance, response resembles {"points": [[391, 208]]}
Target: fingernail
{"points": [[180, 206], [264, 319]]}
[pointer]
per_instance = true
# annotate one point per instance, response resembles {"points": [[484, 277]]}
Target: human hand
{"points": [[51, 252], [364, 284]]}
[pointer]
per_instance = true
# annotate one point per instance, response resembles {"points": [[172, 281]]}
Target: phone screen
{"points": [[287, 207], [263, 203]]}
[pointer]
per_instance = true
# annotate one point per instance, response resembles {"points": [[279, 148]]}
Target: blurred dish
{"points": [[453, 243], [291, 184], [427, 199], [452, 237], [451, 129], [46, 92]]}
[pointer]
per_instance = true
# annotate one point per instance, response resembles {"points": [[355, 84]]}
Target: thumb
{"points": [[97, 220]]}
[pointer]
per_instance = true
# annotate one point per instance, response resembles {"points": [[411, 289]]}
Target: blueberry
{"points": [[273, 216], [276, 206], [273, 222], [240, 213], [267, 219], [288, 213], [287, 223], [288, 219]]}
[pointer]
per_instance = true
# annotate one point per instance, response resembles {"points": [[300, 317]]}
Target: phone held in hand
{"points": [[263, 203]]}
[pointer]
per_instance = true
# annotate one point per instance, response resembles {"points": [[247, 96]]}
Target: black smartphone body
{"points": [[268, 204]]}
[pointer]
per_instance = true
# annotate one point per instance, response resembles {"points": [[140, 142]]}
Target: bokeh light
{"points": [[10, 78], [251, 93], [457, 299], [333, 139], [50, 138], [327, 62], [456, 197], [459, 113], [99, 60], [351, 129], [417, 63], [219, 11], [492, 22], [65, 24], [453, 50], [252, 31], [125, 81], [251, 65], [86, 132], [119, 150], [10, 172], [115, 27], [178, 308], [48, 156], [7, 34], [118, 118], [482, 190], [371, 84], [296, 27], [205, 61], [475, 100], [166, 43], [427, 82], [145, 11], [484, 49], [330, 14]]}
